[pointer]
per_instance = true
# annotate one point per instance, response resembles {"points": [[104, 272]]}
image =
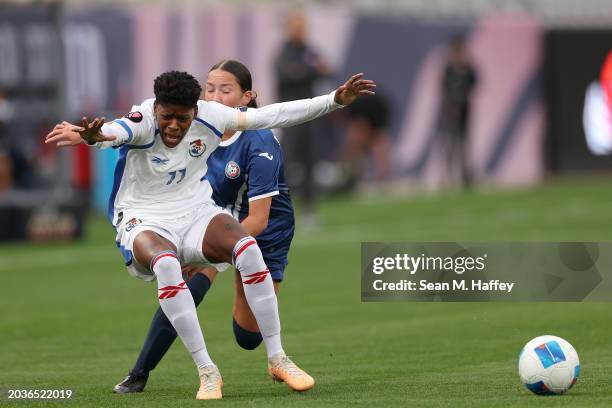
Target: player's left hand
{"points": [[353, 88], [191, 270], [65, 134]]}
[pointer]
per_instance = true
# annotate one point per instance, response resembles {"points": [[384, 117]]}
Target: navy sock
{"points": [[161, 333], [246, 339]]}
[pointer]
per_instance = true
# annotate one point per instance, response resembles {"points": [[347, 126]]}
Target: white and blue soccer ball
{"points": [[548, 365]]}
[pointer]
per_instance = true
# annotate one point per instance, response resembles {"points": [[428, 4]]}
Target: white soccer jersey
{"points": [[152, 179]]}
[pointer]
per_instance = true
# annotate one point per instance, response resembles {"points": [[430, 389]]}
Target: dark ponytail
{"points": [[242, 74]]}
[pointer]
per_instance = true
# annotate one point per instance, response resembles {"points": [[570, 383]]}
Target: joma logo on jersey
{"points": [[131, 224], [197, 148], [232, 170], [266, 155]]}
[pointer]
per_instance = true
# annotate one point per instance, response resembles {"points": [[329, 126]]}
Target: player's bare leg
{"points": [[225, 240], [177, 303]]}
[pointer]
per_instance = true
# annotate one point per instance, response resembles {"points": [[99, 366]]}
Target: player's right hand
{"points": [[91, 133], [68, 134]]}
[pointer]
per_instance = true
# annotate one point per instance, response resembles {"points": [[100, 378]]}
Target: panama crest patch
{"points": [[197, 148]]}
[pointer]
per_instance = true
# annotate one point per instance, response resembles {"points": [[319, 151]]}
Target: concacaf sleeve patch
{"points": [[134, 116]]}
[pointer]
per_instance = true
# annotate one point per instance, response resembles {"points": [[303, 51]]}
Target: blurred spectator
{"points": [[366, 134], [17, 142], [6, 172], [298, 67], [458, 82]]}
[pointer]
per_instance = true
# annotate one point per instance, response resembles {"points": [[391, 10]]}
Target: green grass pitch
{"points": [[71, 317]]}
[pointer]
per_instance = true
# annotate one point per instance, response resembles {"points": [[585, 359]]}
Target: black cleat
{"points": [[131, 383]]}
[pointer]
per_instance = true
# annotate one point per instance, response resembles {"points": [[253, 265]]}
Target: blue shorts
{"points": [[275, 257]]}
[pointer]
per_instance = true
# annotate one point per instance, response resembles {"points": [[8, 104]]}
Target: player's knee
{"points": [[167, 268], [170, 283], [246, 339], [247, 257]]}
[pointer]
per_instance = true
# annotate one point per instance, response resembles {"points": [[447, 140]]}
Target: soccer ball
{"points": [[548, 365]]}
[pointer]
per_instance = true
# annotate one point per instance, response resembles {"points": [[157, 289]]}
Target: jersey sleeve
{"points": [[285, 114], [264, 167], [220, 118], [217, 117], [135, 128]]}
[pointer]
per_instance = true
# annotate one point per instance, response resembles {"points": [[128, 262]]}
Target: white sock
{"points": [[177, 303], [259, 292]]}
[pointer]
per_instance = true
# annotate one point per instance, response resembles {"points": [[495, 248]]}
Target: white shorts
{"points": [[186, 233]]}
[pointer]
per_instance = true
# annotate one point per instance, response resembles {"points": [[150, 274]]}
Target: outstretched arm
{"points": [[286, 114], [295, 112], [68, 134]]}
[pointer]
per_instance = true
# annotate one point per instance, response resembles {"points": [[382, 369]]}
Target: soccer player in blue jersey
{"points": [[247, 178]]}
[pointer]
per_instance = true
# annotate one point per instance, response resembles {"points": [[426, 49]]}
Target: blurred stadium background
{"points": [[534, 179], [534, 60]]}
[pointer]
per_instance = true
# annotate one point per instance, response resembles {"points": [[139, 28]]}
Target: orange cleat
{"points": [[210, 383], [282, 369]]}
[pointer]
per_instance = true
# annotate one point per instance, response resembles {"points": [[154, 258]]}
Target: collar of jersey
{"points": [[231, 140]]}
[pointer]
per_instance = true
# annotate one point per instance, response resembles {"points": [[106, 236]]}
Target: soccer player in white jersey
{"points": [[164, 214]]}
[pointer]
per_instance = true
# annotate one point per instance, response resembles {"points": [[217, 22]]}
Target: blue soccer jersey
{"points": [[247, 167]]}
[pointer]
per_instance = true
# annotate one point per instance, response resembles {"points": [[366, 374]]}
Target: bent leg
{"points": [[161, 334], [258, 291], [246, 330], [175, 300], [222, 233], [225, 240]]}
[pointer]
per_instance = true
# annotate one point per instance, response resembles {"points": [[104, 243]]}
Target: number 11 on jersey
{"points": [[172, 175]]}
